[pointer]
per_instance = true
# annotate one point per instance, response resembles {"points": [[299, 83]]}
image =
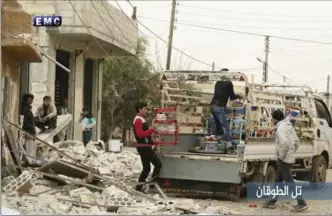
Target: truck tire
{"points": [[259, 179], [318, 175], [270, 176]]}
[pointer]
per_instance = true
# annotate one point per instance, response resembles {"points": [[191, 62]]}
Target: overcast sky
{"points": [[300, 62]]}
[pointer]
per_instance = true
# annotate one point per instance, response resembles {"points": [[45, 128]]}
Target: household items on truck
{"points": [[296, 105], [216, 144], [167, 124]]}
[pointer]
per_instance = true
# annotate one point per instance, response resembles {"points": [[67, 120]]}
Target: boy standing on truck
{"points": [[223, 90], [287, 144], [144, 145]]}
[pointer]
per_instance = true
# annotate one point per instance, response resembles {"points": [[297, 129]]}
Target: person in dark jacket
{"points": [[223, 90], [144, 145], [29, 126]]}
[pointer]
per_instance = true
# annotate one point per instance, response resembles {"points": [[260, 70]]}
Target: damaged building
{"points": [[19, 47], [73, 54]]}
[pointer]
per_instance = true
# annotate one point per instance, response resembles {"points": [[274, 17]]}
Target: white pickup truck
{"points": [[190, 173]]}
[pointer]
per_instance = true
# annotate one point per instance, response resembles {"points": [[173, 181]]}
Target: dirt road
{"points": [[283, 208]]}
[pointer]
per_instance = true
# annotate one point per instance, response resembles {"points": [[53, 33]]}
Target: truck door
{"points": [[324, 125]]}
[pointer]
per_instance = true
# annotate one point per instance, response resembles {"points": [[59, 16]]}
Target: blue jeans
{"points": [[221, 122]]}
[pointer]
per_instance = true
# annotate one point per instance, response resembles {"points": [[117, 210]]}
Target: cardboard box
{"points": [[194, 120], [186, 129], [199, 110], [183, 119]]}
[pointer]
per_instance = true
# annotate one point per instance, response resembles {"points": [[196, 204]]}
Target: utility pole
{"points": [[212, 66], [328, 92], [284, 79], [266, 62], [170, 36]]}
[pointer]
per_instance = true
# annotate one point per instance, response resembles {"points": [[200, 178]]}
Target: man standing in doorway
{"points": [[144, 145], [223, 90], [29, 126], [287, 144], [46, 115]]}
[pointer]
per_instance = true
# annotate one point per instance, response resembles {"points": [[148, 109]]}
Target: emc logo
{"points": [[48, 21]]}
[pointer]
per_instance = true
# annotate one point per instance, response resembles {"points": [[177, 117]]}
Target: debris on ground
{"points": [[97, 183]]}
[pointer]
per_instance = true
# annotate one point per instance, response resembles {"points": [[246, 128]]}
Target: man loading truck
{"points": [[223, 90], [187, 170], [144, 145]]}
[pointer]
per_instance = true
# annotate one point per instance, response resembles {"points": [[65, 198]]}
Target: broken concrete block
{"points": [[21, 183], [76, 193], [104, 171], [94, 210], [38, 189], [114, 191], [62, 207], [5, 181], [78, 211], [9, 211]]}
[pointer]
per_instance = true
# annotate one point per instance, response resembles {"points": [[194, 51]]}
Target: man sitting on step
{"points": [[46, 115]]}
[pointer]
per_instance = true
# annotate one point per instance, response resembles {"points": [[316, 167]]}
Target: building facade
{"points": [[18, 47], [73, 54]]}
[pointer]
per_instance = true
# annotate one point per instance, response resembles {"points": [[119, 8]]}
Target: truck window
{"points": [[322, 112]]}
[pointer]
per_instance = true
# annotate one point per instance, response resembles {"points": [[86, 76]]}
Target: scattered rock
{"points": [[125, 167]]}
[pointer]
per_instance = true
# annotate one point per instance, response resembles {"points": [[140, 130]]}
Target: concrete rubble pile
{"points": [[34, 193]]}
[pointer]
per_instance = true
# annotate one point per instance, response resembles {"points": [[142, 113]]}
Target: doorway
{"points": [[88, 84], [61, 78], [24, 82]]}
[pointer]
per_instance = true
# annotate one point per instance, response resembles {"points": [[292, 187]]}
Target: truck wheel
{"points": [[270, 175], [318, 172]]}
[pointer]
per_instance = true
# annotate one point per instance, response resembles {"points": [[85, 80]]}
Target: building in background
{"points": [[91, 31]]}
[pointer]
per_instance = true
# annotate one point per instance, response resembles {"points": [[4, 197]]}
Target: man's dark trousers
{"points": [[284, 174], [51, 123], [148, 156]]}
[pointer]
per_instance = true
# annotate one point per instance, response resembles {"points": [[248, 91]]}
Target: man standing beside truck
{"points": [[287, 144], [144, 145], [223, 90]]}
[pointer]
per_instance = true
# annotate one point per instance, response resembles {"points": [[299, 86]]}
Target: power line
{"points": [[130, 44], [252, 13], [276, 72], [183, 53], [257, 20], [248, 33], [180, 50], [255, 34], [135, 46], [213, 24]]}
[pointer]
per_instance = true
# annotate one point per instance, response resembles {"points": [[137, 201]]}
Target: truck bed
{"points": [[201, 167], [202, 156]]}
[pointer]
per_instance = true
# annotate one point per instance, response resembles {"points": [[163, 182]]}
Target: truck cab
{"points": [[188, 171]]}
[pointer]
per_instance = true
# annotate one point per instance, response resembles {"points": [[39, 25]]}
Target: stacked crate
{"points": [[192, 122]]}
